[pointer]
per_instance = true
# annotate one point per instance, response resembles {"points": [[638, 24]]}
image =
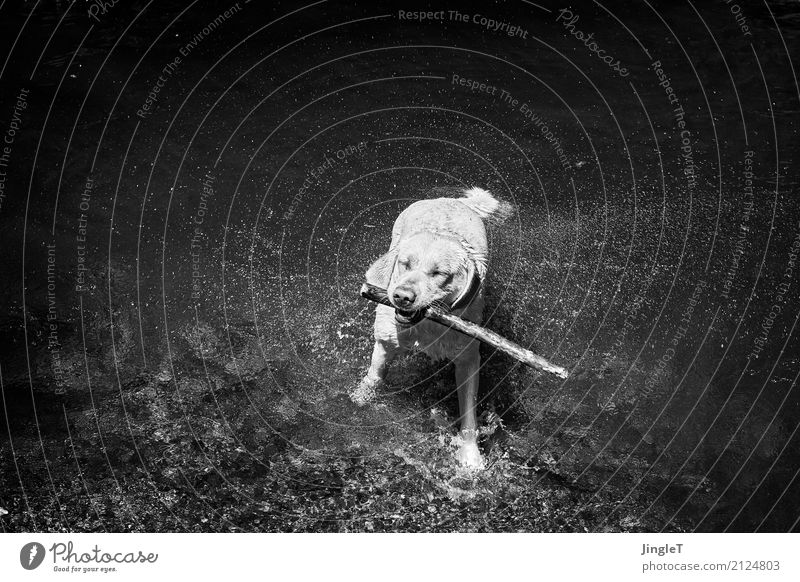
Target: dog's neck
{"points": [[472, 292]]}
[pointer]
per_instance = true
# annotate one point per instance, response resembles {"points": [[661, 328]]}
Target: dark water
{"points": [[184, 363]]}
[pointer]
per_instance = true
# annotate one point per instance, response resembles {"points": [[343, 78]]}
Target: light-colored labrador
{"points": [[438, 254]]}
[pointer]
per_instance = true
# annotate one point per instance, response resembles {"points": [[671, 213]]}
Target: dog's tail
{"points": [[482, 203]]}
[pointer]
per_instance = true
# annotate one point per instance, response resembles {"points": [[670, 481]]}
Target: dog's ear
{"points": [[380, 272], [471, 281]]}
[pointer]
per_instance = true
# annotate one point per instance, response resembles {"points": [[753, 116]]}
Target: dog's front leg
{"points": [[468, 364], [382, 354]]}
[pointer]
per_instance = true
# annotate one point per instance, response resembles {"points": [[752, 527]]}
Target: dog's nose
{"points": [[403, 297]]}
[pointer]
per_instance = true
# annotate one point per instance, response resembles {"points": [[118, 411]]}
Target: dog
{"points": [[438, 255]]}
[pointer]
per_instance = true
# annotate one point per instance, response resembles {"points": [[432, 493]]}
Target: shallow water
{"points": [[202, 366]]}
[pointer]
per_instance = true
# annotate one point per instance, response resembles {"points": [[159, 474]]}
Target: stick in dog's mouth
{"points": [[487, 336]]}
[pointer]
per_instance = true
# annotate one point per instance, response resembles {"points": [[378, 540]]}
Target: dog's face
{"points": [[423, 269]]}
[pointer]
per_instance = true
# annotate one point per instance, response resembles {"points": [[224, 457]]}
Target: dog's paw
{"points": [[366, 391], [469, 455]]}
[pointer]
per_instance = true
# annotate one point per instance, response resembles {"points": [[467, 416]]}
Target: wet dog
{"points": [[438, 255]]}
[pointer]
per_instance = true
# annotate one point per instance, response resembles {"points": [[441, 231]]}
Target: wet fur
{"points": [[438, 247]]}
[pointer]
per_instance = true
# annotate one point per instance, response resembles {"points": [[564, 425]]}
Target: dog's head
{"points": [[426, 268]]}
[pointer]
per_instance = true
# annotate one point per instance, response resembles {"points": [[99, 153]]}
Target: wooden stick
{"points": [[471, 329]]}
